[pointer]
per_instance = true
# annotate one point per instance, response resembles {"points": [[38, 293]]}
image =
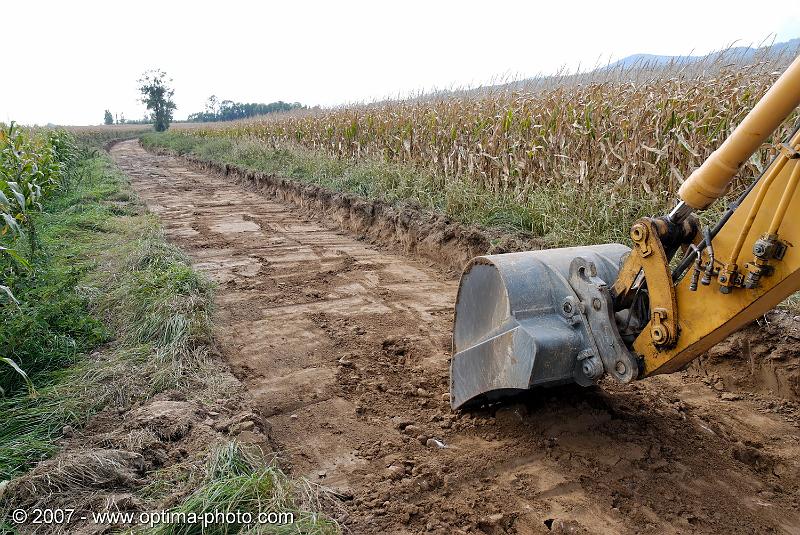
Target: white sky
{"points": [[66, 61]]}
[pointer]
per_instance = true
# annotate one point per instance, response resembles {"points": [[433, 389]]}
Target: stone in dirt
{"points": [[170, 420]]}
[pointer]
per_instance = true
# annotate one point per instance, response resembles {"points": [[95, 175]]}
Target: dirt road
{"points": [[344, 348]]}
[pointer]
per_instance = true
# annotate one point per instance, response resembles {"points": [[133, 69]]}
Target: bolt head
{"points": [[620, 367], [592, 368], [637, 232], [596, 303], [658, 334]]}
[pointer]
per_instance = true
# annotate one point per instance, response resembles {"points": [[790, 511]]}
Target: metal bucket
{"points": [[520, 321]]}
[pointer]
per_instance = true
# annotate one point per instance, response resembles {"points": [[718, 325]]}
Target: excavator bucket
{"points": [[520, 321]]}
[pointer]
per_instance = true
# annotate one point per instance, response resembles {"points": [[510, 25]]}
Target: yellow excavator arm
{"points": [[753, 262], [549, 317]]}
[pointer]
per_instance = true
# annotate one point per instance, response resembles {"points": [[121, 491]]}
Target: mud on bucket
{"points": [[518, 322]]}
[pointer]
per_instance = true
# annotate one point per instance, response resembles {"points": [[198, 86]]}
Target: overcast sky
{"points": [[66, 61]]}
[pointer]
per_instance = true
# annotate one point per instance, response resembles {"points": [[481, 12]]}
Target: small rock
{"points": [[293, 417], [423, 439], [411, 430], [566, 527], [446, 397], [491, 520], [169, 420], [3, 485], [421, 392], [344, 361], [395, 472], [779, 470], [719, 386], [729, 396], [400, 422], [343, 493], [322, 474], [237, 428], [67, 431], [434, 443]]}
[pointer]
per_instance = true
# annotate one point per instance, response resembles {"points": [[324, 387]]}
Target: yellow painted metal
{"points": [[788, 195], [755, 206], [710, 181], [707, 316], [648, 255]]}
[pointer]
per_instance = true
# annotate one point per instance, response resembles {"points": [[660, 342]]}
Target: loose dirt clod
{"points": [[297, 294]]}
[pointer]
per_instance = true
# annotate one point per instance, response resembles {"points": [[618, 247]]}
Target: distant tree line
{"points": [[228, 110], [110, 119]]}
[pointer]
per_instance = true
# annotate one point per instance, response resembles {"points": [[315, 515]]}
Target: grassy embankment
{"points": [[106, 313]]}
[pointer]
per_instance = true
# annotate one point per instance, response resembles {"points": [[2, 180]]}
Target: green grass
{"points": [[106, 281], [559, 214], [235, 480]]}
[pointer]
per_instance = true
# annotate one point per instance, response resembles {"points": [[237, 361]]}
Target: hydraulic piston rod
{"points": [[710, 181]]}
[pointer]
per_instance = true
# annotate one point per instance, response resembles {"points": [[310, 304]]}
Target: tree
{"points": [[109, 119], [211, 107], [157, 96]]}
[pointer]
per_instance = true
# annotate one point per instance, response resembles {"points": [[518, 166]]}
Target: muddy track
{"points": [[344, 347]]}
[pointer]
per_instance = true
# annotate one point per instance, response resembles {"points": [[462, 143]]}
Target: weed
{"points": [[236, 481]]}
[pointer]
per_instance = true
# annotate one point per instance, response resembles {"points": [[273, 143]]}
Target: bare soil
{"points": [[338, 327]]}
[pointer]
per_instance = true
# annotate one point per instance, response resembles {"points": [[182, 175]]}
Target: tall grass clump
{"points": [[236, 481]]}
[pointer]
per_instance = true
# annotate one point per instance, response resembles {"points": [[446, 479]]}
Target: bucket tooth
{"points": [[518, 322]]}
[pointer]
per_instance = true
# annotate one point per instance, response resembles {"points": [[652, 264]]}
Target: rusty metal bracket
{"points": [[648, 258]]}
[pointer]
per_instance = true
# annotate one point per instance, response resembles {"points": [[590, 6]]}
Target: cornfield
{"points": [[33, 165], [638, 132]]}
